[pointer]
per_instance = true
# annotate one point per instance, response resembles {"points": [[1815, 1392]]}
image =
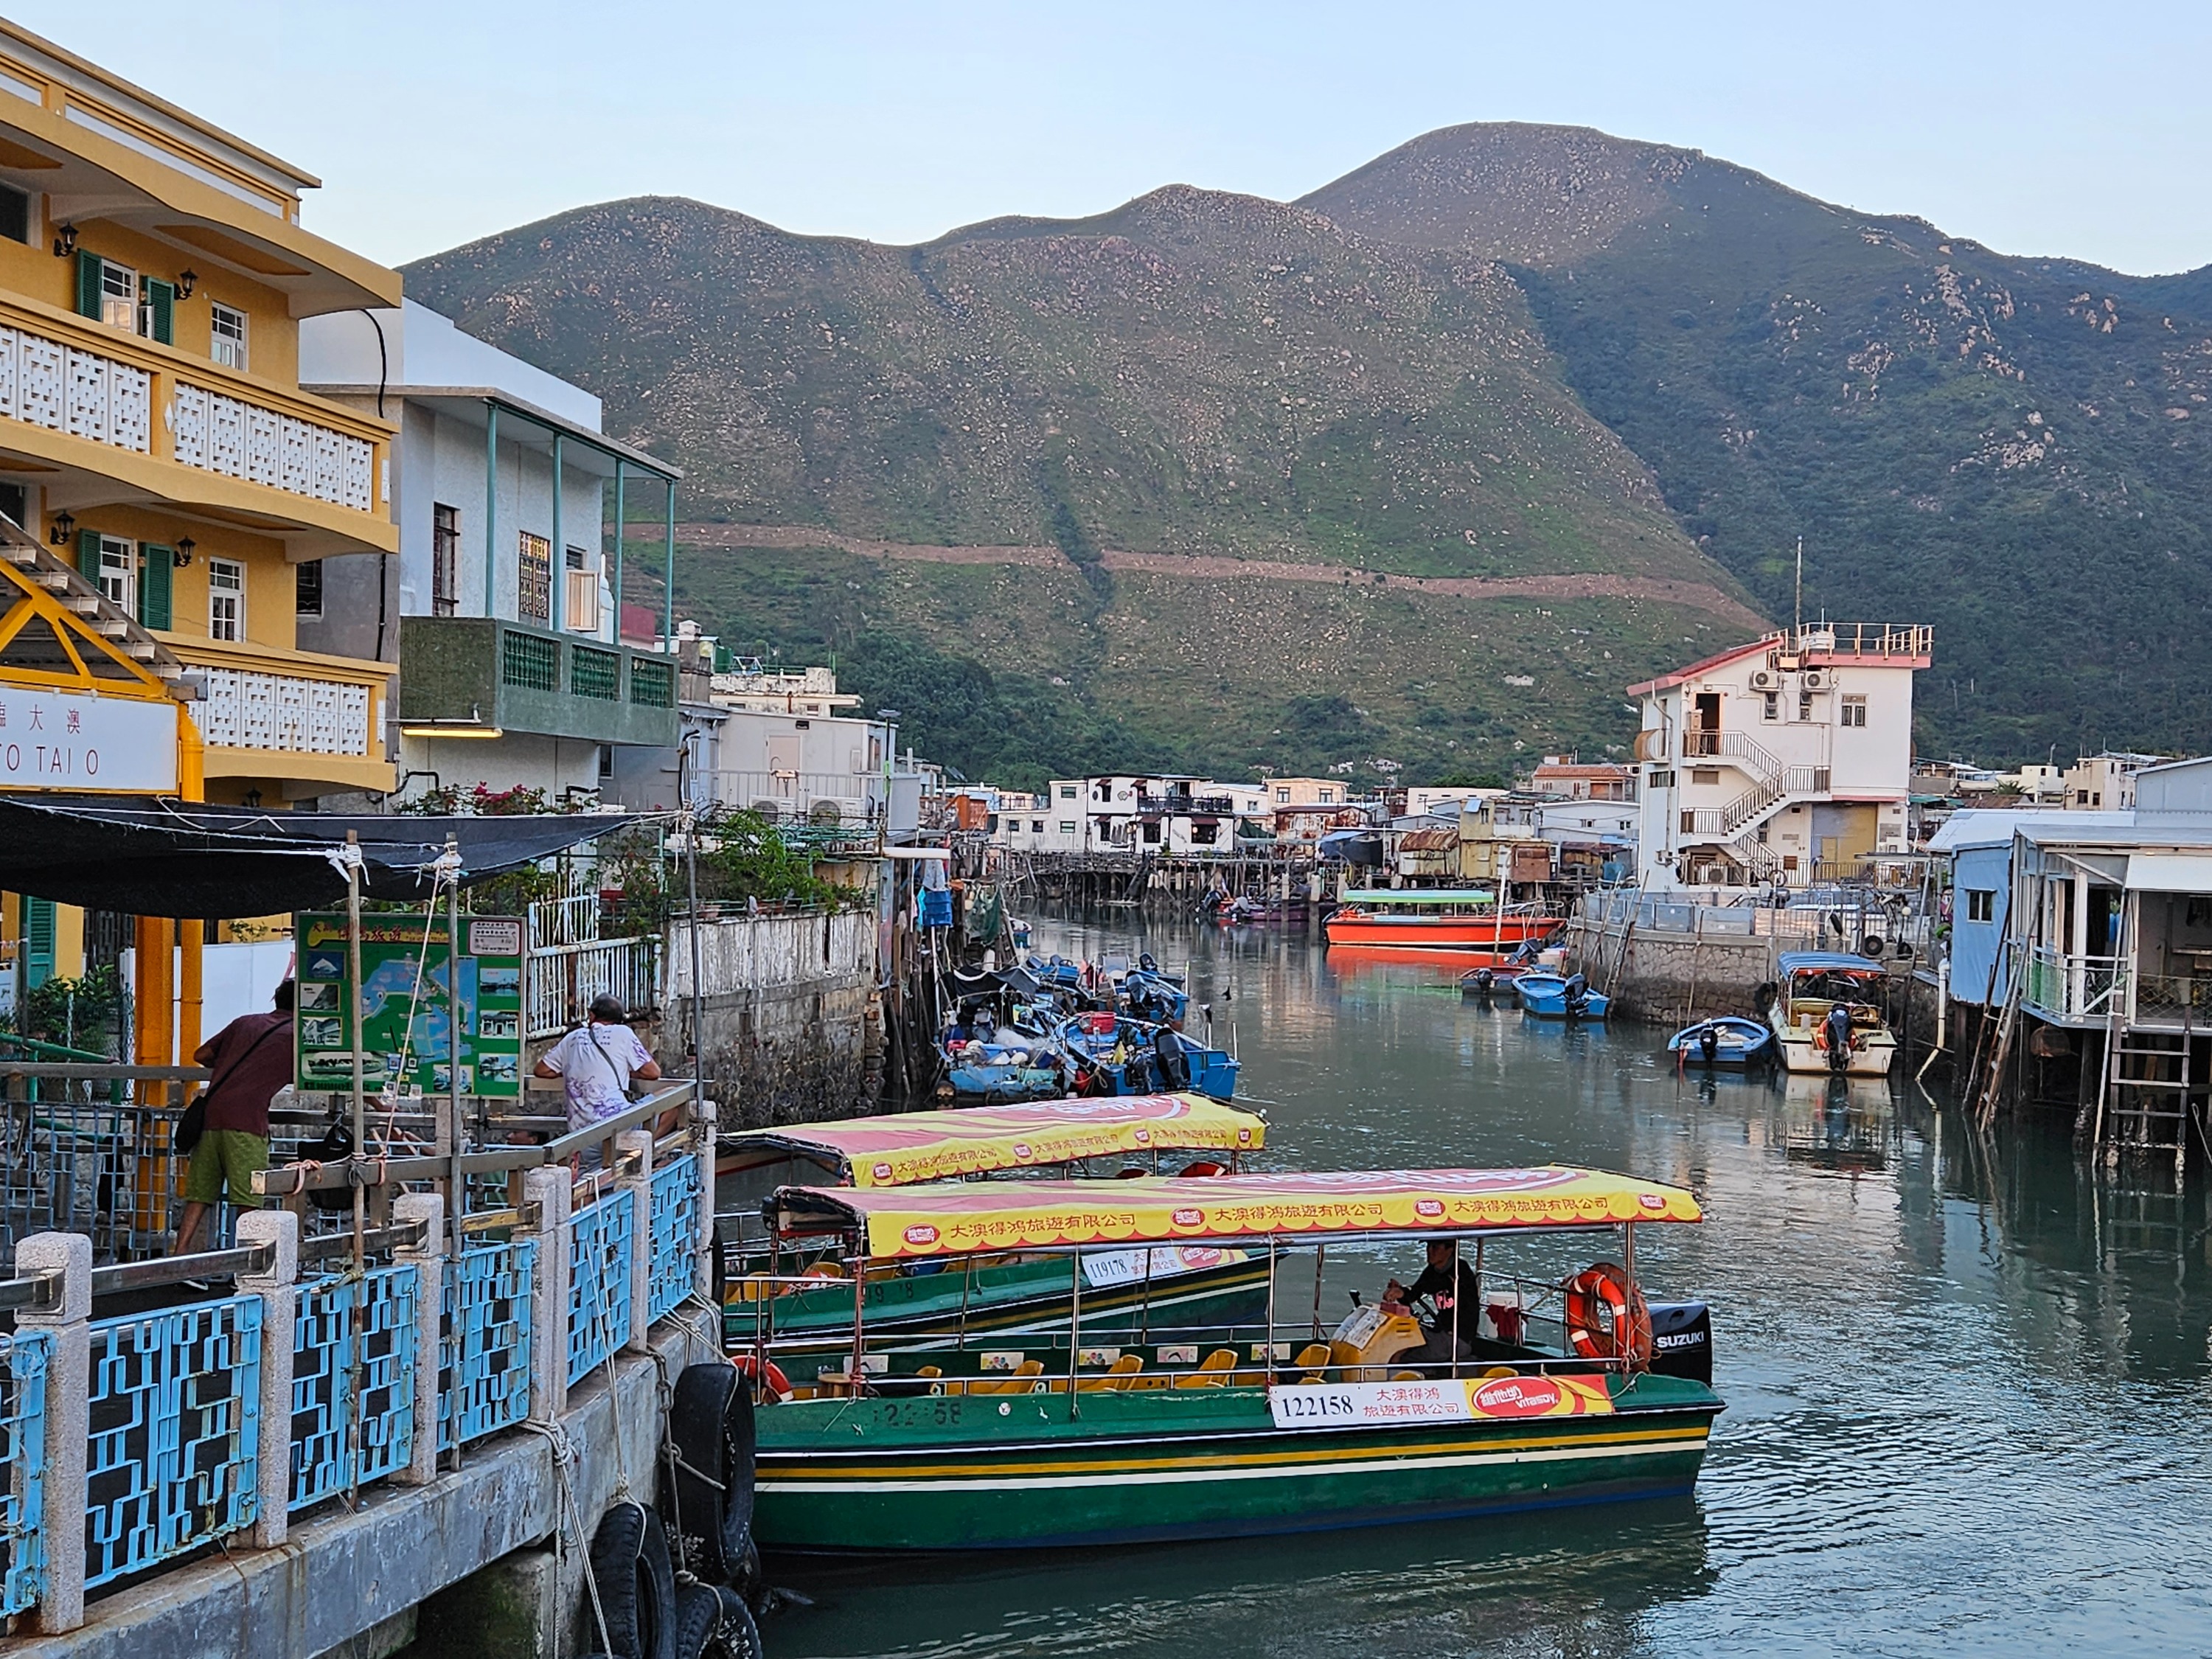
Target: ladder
{"points": [[1990, 1084], [2146, 1087]]}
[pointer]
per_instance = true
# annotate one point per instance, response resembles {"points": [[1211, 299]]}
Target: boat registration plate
{"points": [[1105, 1267], [1468, 1400]]}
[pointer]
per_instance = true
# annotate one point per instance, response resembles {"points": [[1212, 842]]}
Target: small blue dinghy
{"points": [[1725, 1040], [1547, 996]]}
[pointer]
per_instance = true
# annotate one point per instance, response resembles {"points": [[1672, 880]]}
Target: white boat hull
{"points": [[1872, 1051]]}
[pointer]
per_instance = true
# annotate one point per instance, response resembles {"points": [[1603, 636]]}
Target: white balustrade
{"points": [[288, 712], [67, 388]]}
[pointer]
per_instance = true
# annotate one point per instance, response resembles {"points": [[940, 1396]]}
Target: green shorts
{"points": [[227, 1156]]}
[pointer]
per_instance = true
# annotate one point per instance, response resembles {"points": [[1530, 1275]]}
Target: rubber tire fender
{"points": [[715, 1624], [636, 1585], [710, 1420]]}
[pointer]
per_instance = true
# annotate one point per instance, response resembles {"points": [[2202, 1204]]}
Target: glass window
{"points": [[445, 559], [14, 215], [119, 572], [1770, 706], [226, 599], [534, 576], [1804, 705], [119, 295], [1854, 711], [1036, 828], [227, 338], [1981, 904], [1066, 792], [1066, 828]]}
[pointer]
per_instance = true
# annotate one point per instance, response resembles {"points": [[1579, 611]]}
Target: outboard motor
{"points": [[1174, 1064], [1838, 1022], [1708, 1044], [1682, 1341], [1576, 995], [1485, 980]]}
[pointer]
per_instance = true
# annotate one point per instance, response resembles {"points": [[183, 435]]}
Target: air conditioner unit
{"points": [[1815, 679], [1766, 680]]}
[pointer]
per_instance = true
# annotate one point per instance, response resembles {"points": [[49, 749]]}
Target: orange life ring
{"points": [[1607, 1317], [1205, 1166], [765, 1373]]}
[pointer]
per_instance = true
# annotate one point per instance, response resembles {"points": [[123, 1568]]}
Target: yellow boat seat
{"points": [[1213, 1371], [919, 1370], [1501, 1370], [1407, 1376], [1121, 1376], [1017, 1384], [1313, 1359]]}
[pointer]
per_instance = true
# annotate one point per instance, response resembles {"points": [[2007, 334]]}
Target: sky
{"points": [[2033, 128]]}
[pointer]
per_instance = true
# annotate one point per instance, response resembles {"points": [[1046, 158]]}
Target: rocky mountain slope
{"points": [[1211, 481], [2014, 449]]}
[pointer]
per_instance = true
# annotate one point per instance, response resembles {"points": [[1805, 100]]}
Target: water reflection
{"points": [[1966, 1375]]}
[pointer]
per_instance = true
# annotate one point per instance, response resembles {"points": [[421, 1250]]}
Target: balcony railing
{"points": [[78, 377], [487, 671], [290, 713], [2060, 985]]}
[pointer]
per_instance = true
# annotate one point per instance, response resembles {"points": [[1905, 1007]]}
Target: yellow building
{"points": [[153, 274]]}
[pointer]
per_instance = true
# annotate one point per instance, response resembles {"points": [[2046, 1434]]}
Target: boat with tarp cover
{"points": [[1534, 1381], [804, 1297]]}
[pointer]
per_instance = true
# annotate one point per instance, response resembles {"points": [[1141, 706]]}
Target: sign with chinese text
{"points": [[406, 969], [77, 741]]}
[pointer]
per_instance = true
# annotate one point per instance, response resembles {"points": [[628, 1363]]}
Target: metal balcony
{"points": [[489, 671]]}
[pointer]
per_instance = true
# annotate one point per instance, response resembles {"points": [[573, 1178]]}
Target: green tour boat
{"points": [[798, 1297], [1533, 1383]]}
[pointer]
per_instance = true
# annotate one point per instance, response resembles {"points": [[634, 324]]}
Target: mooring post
{"points": [[278, 1290], [428, 1256], [67, 1317], [637, 1182], [703, 1116], [548, 1190]]}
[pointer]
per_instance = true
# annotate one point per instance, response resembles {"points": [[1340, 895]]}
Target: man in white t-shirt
{"points": [[596, 1062]]}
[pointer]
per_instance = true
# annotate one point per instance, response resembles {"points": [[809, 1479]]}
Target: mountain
{"points": [[2014, 449], [1415, 473], [1206, 481]]}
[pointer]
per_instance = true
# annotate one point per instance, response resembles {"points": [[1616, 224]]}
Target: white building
{"points": [[1781, 763], [1170, 814], [500, 606]]}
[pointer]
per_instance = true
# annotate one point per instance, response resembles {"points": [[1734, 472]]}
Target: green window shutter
{"points": [[162, 296], [90, 268], [38, 942], [87, 555], [153, 587]]}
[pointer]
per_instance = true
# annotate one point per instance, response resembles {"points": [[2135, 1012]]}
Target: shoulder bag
{"points": [[192, 1123]]}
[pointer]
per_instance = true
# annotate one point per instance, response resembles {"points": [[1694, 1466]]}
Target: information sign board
{"points": [[406, 970]]}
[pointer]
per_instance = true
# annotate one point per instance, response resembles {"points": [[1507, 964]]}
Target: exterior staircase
{"points": [[1773, 785]]}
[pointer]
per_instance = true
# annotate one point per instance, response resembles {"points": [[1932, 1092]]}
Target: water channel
{"points": [[1969, 1395]]}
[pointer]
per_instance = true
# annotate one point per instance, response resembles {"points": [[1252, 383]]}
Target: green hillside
{"points": [[2012, 449]]}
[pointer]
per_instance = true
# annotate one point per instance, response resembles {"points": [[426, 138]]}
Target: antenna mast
{"points": [[1797, 622]]}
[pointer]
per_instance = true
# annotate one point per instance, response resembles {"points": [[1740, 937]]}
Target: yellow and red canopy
{"points": [[937, 1221], [906, 1148]]}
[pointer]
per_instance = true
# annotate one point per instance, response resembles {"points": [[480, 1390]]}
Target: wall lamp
{"points": [[64, 241], [184, 550], [473, 727], [185, 281], [64, 528]]}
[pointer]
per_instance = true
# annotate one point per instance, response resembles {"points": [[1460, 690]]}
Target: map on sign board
{"points": [[1439, 1399], [407, 976]]}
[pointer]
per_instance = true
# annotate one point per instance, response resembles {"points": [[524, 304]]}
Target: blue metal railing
{"points": [[22, 1470], [353, 1376], [674, 1263], [174, 1458], [483, 1353], [601, 1237]]}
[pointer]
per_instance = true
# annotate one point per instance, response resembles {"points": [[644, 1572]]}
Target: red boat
{"points": [[1464, 919]]}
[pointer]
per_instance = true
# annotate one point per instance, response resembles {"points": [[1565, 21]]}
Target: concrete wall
{"points": [[785, 1015], [1672, 978]]}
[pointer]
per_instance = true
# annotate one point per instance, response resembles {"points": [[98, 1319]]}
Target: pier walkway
{"points": [[292, 1468]]}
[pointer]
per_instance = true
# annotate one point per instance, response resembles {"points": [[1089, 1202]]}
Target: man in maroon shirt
{"points": [[250, 1060]]}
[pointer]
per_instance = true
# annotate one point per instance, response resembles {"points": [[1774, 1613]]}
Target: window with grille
{"points": [[534, 579], [445, 559], [226, 336], [1854, 711], [226, 599], [307, 587], [529, 664]]}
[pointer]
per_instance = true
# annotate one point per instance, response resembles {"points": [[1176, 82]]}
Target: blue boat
{"points": [[1547, 996], [1114, 1055], [1724, 1040]]}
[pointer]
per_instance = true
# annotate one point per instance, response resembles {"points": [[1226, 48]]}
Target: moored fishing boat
{"points": [[1114, 1055], [1545, 1392], [1824, 1016], [801, 1301], [1725, 1040], [1548, 996], [1438, 919]]}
